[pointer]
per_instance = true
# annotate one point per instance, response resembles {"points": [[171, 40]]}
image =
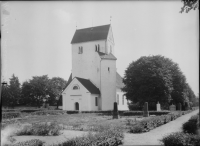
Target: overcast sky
{"points": [[36, 36]]}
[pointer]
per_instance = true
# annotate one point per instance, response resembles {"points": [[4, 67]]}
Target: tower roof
{"points": [[91, 34], [107, 56]]}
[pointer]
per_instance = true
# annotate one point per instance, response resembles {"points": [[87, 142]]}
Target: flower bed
{"points": [[109, 137], [150, 123]]}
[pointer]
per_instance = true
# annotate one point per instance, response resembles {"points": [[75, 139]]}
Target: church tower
{"points": [[92, 84]]}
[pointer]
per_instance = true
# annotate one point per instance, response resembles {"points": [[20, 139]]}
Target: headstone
{"points": [[115, 111], [145, 112], [179, 107], [172, 107], [158, 106]]}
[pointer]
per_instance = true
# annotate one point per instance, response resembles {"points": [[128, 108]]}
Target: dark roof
{"points": [[119, 82], [91, 34], [107, 56], [88, 85]]}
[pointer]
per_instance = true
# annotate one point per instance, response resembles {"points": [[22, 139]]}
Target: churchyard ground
{"points": [[73, 124]]}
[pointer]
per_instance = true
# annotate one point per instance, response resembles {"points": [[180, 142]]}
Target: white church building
{"points": [[94, 83]]}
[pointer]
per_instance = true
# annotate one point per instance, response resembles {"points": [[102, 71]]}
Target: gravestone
{"points": [[158, 106], [172, 107], [115, 111], [179, 107], [146, 111]]}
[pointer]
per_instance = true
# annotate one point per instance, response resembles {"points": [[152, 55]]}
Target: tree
{"points": [[12, 92], [35, 90], [56, 85], [152, 79], [189, 5]]}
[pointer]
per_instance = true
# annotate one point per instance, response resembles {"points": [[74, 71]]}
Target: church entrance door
{"points": [[76, 106]]}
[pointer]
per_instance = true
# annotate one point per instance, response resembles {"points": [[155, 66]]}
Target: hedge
{"points": [[191, 126], [9, 115], [137, 113], [33, 142], [110, 137], [150, 123], [181, 139]]}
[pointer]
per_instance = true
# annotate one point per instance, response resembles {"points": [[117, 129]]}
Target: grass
{"points": [[83, 121]]}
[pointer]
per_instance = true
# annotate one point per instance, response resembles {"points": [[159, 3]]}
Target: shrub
{"points": [[49, 112], [109, 137], [40, 129], [33, 142], [72, 112], [177, 139], [30, 110], [191, 126], [181, 139], [9, 115], [137, 113]]}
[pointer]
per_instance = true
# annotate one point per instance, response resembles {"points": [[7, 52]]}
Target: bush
{"points": [[40, 129], [150, 123], [33, 142], [191, 126], [181, 139], [109, 137], [9, 115], [49, 112], [137, 113], [30, 110]]}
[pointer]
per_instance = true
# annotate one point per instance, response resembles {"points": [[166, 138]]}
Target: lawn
{"points": [[81, 121]]}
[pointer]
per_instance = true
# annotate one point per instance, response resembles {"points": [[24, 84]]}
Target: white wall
{"points": [[92, 102], [120, 105], [81, 96], [108, 84], [110, 42], [87, 64]]}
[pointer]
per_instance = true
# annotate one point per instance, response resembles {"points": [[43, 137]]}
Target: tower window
{"points": [[80, 51], [96, 101], [109, 69], [98, 47]]}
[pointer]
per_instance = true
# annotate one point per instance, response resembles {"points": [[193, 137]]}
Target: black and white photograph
{"points": [[100, 73]]}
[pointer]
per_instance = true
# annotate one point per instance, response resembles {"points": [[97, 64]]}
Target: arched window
{"points": [[96, 48], [75, 87], [96, 101]]}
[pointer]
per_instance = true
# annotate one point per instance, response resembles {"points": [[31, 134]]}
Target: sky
{"points": [[36, 35]]}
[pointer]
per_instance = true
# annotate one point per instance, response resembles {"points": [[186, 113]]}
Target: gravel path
{"points": [[152, 137]]}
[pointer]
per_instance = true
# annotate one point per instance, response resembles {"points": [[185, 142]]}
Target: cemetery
{"points": [[113, 124]]}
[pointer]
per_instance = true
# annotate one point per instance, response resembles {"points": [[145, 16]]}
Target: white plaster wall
{"points": [[92, 103], [82, 96], [110, 42], [87, 64], [108, 84], [120, 105]]}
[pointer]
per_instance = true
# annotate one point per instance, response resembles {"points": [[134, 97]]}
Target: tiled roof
{"points": [[88, 85], [107, 56], [119, 83], [91, 34]]}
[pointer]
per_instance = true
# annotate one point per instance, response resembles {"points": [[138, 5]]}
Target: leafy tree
{"points": [[155, 79], [12, 92], [189, 5], [36, 90], [56, 85], [149, 80]]}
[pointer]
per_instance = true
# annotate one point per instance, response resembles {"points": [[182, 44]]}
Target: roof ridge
{"points": [[93, 27]]}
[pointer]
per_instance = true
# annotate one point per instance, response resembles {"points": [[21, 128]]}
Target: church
{"points": [[94, 83]]}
